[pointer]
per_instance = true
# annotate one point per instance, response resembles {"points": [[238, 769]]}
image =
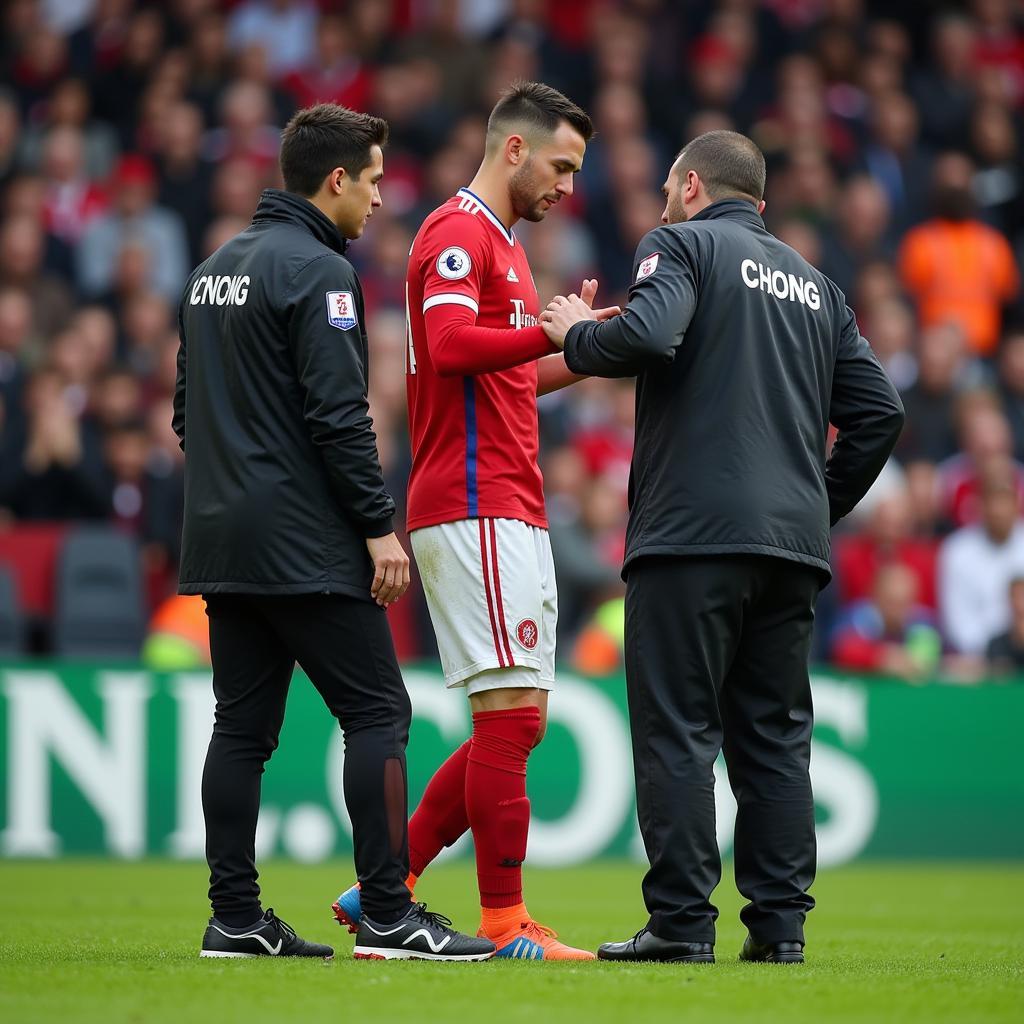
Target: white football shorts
{"points": [[490, 588]]}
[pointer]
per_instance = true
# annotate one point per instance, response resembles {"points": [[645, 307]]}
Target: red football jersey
{"points": [[471, 372]]}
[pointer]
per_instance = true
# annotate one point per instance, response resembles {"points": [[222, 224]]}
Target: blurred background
{"points": [[135, 139]]}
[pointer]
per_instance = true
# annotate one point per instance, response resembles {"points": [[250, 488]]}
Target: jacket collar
{"points": [[278, 205], [734, 209]]}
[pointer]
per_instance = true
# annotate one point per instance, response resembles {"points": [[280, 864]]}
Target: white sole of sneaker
{"points": [[375, 953], [229, 956]]}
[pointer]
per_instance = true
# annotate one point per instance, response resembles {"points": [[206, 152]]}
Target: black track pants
{"points": [[345, 647]]}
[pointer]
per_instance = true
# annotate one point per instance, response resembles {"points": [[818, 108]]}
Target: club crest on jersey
{"points": [[528, 634], [647, 266], [341, 310], [454, 263]]}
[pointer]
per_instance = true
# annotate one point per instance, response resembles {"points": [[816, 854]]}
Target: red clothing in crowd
{"points": [[858, 559]]}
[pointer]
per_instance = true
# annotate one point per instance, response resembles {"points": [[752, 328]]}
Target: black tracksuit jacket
{"points": [[282, 479], [743, 353]]}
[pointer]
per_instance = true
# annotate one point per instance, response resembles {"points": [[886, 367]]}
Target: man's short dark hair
{"points": [[729, 165], [535, 108], [318, 139]]}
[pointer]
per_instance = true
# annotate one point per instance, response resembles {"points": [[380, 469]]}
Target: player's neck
{"points": [[494, 192]]}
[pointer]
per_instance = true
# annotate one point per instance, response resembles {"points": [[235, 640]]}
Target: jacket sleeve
{"points": [[869, 415], [178, 419], [651, 327], [330, 363]]}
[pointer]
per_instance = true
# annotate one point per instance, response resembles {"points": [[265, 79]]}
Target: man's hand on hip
{"points": [[390, 569]]}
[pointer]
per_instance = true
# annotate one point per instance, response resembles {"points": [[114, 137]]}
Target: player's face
{"points": [[675, 211], [360, 196], [545, 177]]}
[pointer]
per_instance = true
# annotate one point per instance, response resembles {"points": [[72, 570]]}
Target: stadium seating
{"points": [[99, 605], [12, 627]]}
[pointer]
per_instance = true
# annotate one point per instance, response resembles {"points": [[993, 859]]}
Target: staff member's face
{"points": [[675, 209], [357, 198]]}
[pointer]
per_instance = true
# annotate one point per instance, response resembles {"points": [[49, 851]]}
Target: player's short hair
{"points": [[535, 108], [729, 165], [318, 139]]}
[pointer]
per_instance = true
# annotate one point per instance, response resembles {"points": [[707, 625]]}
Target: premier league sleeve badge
{"points": [[341, 310]]}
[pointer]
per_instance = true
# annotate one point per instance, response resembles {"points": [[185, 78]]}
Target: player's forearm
{"points": [[553, 375], [460, 349]]}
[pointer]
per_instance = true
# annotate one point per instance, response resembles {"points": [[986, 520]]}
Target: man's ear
{"points": [[691, 189], [516, 149], [760, 206], [336, 180]]}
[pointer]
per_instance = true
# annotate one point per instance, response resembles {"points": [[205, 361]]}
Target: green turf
{"points": [[85, 942]]}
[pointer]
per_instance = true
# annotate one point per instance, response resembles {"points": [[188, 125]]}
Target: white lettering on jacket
{"points": [[220, 290], [780, 285]]}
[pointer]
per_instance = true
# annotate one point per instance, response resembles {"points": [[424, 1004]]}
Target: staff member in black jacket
{"points": [[288, 536], [743, 354]]}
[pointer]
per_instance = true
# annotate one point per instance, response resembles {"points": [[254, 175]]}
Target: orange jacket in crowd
{"points": [[962, 271]]}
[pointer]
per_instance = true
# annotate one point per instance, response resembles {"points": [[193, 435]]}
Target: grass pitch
{"points": [[104, 943]]}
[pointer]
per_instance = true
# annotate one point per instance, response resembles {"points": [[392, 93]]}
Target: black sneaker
{"points": [[269, 937], [420, 935]]}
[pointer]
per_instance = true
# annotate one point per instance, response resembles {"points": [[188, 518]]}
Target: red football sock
{"points": [[498, 810], [441, 817]]}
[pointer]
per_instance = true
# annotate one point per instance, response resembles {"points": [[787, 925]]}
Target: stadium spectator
{"points": [[942, 370], [286, 29], [860, 235], [891, 327], [209, 60], [10, 126], [134, 219], [943, 89], [584, 574], [956, 267], [889, 632], [50, 477], [185, 177], [120, 83], [69, 105], [22, 252], [998, 183], [71, 199], [893, 157], [246, 129], [976, 565], [336, 73], [922, 478], [986, 445], [1005, 652], [888, 540], [1011, 386]]}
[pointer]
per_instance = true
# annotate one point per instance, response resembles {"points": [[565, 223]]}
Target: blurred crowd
{"points": [[135, 138]]}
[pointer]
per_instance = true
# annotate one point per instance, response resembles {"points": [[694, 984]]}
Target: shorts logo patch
{"points": [[528, 634], [341, 310], [647, 266], [454, 263]]}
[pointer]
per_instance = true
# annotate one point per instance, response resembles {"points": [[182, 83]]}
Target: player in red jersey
{"points": [[476, 361]]}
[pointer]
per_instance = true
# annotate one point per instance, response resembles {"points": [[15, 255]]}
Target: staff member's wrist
{"points": [[378, 528], [569, 345]]}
